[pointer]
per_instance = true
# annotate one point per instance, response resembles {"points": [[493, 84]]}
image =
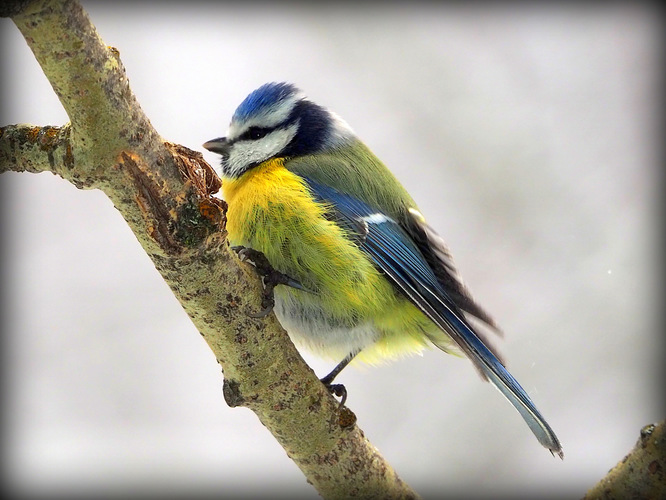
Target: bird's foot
{"points": [[269, 276], [338, 390]]}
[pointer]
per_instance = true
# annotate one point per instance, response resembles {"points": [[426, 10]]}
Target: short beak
{"points": [[219, 146]]}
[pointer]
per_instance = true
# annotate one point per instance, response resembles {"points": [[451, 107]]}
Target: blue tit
{"points": [[375, 281]]}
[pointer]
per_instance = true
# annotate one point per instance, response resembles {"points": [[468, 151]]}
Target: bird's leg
{"points": [[338, 390], [269, 276]]}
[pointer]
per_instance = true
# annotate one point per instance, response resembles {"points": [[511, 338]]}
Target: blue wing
{"points": [[398, 256]]}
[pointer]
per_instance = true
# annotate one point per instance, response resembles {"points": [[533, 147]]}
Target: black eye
{"points": [[254, 133]]}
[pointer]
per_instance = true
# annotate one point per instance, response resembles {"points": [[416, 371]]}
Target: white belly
{"points": [[311, 329]]}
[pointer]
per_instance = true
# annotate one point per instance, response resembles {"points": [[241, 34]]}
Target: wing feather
{"points": [[396, 253]]}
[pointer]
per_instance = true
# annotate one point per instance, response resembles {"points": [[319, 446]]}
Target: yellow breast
{"points": [[272, 210], [266, 194]]}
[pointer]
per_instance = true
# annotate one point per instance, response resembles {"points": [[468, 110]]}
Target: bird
{"points": [[363, 276]]}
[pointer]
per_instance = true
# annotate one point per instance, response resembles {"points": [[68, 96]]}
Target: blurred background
{"points": [[529, 136]]}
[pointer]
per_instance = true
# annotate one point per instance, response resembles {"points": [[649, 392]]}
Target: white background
{"points": [[529, 138]]}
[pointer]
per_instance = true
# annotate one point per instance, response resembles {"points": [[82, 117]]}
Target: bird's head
{"points": [[277, 120]]}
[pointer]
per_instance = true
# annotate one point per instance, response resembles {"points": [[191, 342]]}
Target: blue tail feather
{"points": [[395, 253]]}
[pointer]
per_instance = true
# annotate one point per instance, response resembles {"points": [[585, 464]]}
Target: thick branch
{"points": [[164, 193], [641, 474]]}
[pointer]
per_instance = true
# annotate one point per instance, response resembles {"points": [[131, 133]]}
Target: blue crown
{"points": [[265, 96]]}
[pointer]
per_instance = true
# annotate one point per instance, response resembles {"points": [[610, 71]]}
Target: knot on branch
{"points": [[183, 220], [194, 169], [232, 393]]}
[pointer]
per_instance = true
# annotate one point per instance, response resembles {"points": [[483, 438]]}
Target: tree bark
{"points": [[164, 192], [641, 474]]}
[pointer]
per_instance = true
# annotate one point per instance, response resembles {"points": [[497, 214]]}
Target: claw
{"points": [[243, 254], [338, 390], [263, 313], [291, 282], [270, 278]]}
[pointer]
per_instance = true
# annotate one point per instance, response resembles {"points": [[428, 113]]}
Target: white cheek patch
{"points": [[250, 152]]}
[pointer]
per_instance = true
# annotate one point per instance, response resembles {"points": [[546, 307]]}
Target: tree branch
{"points": [[164, 193], [26, 148], [641, 474]]}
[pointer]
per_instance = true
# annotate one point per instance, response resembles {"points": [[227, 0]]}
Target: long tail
{"points": [[500, 377], [423, 290], [399, 257]]}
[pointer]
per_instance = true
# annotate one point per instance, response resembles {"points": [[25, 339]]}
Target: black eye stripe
{"points": [[254, 133]]}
